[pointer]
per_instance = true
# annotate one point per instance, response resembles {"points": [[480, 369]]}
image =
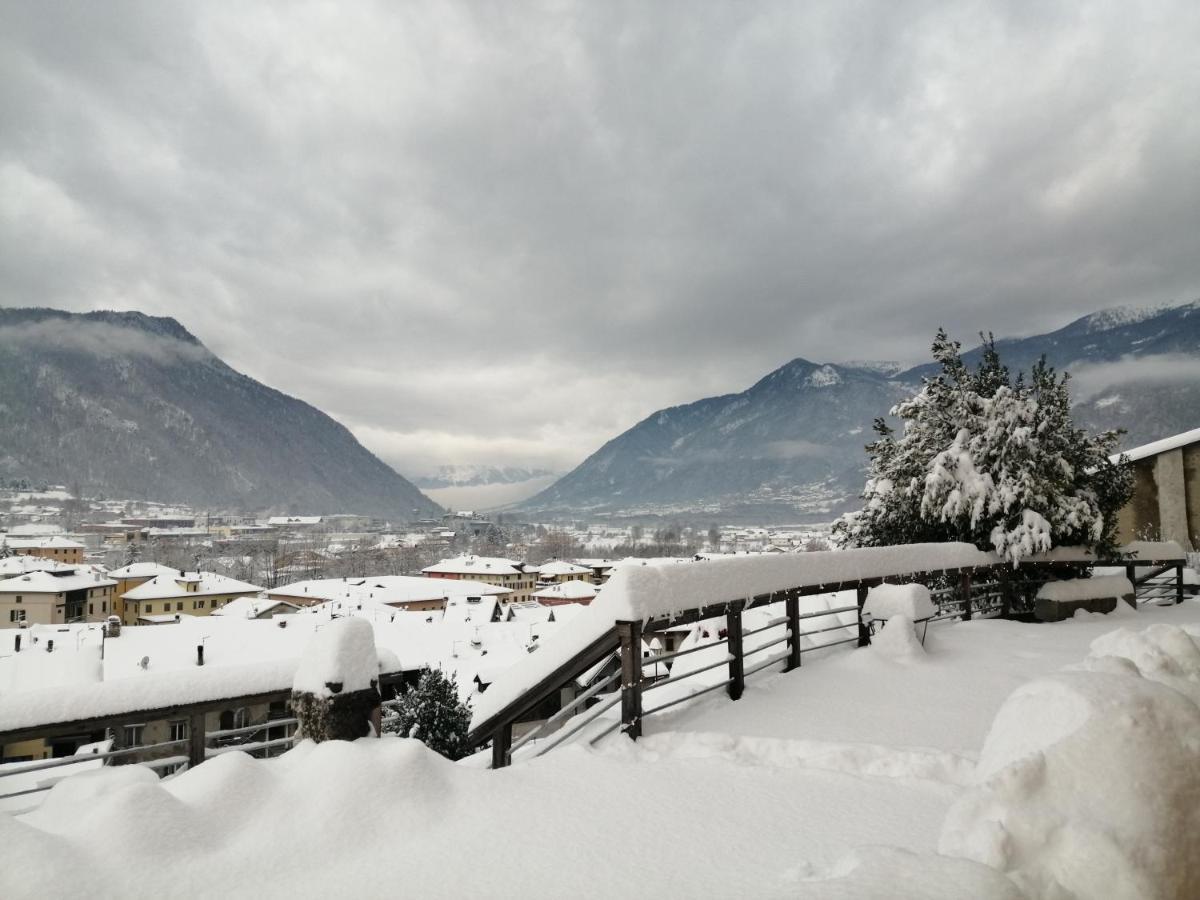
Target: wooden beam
{"points": [[792, 608], [864, 633], [630, 634], [737, 668], [501, 744], [196, 741]]}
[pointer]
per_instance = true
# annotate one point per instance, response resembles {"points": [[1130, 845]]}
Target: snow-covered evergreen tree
{"points": [[132, 552], [992, 461], [432, 713]]}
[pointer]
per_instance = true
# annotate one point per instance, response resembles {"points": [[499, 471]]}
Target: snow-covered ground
{"points": [[843, 779]]}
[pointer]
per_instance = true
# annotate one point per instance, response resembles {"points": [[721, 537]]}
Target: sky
{"points": [[503, 233]]}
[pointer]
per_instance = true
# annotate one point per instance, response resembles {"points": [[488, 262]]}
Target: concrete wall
{"points": [[1166, 499]]}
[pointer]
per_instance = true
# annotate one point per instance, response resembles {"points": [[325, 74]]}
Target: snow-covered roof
{"points": [[1156, 447], [562, 567], [568, 590], [44, 582], [248, 607], [47, 542], [388, 589], [144, 570], [475, 565], [20, 564], [163, 587], [294, 520]]}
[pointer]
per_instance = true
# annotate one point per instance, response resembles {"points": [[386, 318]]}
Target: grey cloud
{"points": [[1090, 381], [101, 339], [530, 226]]}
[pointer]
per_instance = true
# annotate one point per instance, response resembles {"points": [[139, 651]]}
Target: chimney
{"points": [[199, 654], [16, 643], [50, 645]]}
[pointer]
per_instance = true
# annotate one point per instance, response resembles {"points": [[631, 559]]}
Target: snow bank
{"points": [[888, 600], [1089, 781], [215, 830], [1085, 588], [341, 654]]}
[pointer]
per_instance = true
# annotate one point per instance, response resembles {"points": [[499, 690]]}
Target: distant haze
{"points": [[505, 233]]}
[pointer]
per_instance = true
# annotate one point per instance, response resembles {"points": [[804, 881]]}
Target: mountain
{"points": [[478, 476], [792, 443], [791, 447], [130, 405]]}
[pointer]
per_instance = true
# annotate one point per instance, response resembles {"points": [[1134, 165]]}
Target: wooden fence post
{"points": [[1005, 592], [196, 740], [733, 630], [964, 587], [792, 607], [631, 678], [864, 633], [501, 742], [1179, 583]]}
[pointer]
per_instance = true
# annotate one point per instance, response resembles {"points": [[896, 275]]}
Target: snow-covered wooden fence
{"points": [[965, 583]]}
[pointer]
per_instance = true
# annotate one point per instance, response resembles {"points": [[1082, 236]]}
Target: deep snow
{"points": [[842, 779]]}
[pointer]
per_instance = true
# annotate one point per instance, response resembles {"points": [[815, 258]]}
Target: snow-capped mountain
{"points": [[135, 406], [478, 475], [791, 446]]}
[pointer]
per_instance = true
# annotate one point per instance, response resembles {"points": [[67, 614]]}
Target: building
{"points": [[133, 575], [517, 577], [404, 592], [56, 596], [51, 547], [165, 598], [572, 591], [558, 571], [1165, 504]]}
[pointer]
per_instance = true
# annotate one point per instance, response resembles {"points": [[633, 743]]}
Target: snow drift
{"points": [[1089, 780]]}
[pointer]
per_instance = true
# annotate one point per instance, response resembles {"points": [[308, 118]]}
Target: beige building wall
{"points": [[1166, 499]]}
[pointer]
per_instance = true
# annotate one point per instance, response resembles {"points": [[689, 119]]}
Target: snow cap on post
{"points": [[340, 659], [335, 692]]}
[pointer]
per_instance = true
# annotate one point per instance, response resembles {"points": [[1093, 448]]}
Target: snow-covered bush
{"points": [[990, 460], [432, 713]]}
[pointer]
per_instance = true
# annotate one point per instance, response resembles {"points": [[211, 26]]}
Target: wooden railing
{"points": [[980, 591]]}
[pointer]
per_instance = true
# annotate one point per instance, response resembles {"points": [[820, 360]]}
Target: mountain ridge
{"points": [[135, 405], [1135, 368]]}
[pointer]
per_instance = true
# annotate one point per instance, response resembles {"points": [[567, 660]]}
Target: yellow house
{"points": [[164, 597], [505, 573], [53, 547]]}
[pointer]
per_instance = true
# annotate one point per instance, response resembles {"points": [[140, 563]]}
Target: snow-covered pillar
{"points": [[335, 693]]}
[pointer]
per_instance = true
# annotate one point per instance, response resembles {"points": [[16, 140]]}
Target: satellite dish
{"points": [[145, 662]]}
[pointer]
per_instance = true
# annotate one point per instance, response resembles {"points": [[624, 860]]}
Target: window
{"points": [[133, 735], [18, 598], [179, 606], [179, 730], [91, 608], [16, 615]]}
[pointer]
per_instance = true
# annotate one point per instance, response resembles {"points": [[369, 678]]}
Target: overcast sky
{"points": [[506, 232]]}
